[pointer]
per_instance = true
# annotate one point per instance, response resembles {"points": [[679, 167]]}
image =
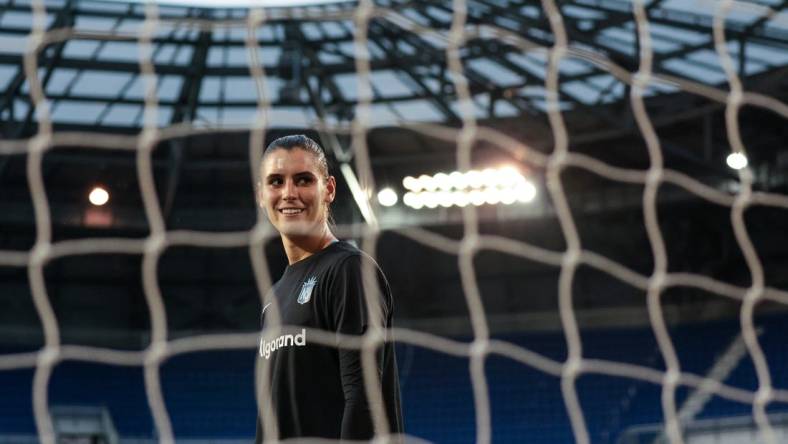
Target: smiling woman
{"points": [[315, 390]]}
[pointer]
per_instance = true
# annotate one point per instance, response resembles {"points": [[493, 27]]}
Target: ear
{"points": [[331, 189]]}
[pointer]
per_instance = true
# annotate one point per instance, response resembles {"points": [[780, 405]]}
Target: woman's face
{"points": [[294, 192]]}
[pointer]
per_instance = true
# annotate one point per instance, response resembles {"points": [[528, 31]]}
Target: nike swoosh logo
{"points": [[266, 306]]}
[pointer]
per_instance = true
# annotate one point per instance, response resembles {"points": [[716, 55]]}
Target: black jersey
{"points": [[316, 390]]}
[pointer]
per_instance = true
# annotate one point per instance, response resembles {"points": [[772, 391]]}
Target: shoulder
{"points": [[348, 258]]}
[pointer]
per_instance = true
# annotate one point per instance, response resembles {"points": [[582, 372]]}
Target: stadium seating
{"points": [[211, 394]]}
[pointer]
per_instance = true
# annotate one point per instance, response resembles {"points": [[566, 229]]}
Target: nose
{"points": [[289, 192]]}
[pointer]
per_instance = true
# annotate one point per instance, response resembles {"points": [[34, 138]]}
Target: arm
{"points": [[351, 315]]}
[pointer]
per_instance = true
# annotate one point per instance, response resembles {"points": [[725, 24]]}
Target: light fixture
{"points": [[98, 196], [736, 161], [387, 197], [491, 186]]}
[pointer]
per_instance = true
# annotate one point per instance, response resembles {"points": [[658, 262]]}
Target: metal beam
{"points": [[387, 42], [185, 111]]}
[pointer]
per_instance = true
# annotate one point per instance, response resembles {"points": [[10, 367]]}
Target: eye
{"points": [[304, 180], [275, 181]]}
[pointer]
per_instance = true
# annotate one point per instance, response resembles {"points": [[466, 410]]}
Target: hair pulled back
{"points": [[305, 143]]}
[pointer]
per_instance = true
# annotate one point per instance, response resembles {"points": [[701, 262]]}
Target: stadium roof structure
{"points": [[308, 54]]}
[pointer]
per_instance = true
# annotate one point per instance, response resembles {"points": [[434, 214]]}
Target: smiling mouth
{"points": [[291, 211]]}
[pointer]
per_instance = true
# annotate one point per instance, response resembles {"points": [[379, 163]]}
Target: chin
{"points": [[296, 228]]}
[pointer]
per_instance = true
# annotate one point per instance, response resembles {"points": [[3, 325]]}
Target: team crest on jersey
{"points": [[306, 290]]}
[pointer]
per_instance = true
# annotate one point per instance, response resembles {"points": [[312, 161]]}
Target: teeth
{"points": [[291, 210]]}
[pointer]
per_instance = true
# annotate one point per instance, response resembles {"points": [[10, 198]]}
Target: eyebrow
{"points": [[302, 173]]}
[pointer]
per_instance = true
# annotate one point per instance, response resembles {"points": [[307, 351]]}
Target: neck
{"points": [[299, 248]]}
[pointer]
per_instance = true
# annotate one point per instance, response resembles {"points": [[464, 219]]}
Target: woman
{"points": [[318, 391]]}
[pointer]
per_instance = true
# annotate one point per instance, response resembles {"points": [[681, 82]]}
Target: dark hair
{"points": [[303, 142]]}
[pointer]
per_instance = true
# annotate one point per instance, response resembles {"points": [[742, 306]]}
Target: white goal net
{"points": [[554, 164]]}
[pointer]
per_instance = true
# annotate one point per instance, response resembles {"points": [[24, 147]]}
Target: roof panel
{"points": [[237, 116], [418, 110], [60, 80], [7, 72], [13, 44], [711, 60], [77, 112], [80, 49], [581, 12], [505, 109], [582, 91], [99, 84], [269, 55], [311, 31], [388, 84], [103, 6], [121, 115], [120, 51], [382, 115], [90, 23], [177, 54], [496, 72], [169, 87], [290, 117], [695, 71]]}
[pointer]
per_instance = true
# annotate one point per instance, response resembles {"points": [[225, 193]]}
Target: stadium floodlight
{"points": [[526, 192], [427, 183], [736, 161], [411, 184], [491, 186], [413, 200], [387, 197], [98, 196]]}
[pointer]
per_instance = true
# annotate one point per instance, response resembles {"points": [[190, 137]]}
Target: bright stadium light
{"points": [[457, 180], [526, 192], [413, 200], [387, 197], [442, 181], [474, 179], [431, 200], [508, 196], [490, 186], [461, 198], [98, 196], [427, 183], [736, 161], [411, 183]]}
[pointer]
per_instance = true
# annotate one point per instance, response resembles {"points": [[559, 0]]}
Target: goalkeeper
{"points": [[319, 391]]}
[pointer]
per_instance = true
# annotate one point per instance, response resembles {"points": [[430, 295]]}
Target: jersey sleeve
{"points": [[351, 316]]}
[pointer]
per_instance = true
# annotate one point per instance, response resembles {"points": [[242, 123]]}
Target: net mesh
{"points": [[482, 346]]}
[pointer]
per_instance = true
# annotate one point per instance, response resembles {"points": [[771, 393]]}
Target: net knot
{"points": [[672, 377], [654, 175], [40, 142], [479, 347], [657, 280], [763, 395], [155, 243], [156, 352], [48, 355], [571, 258], [39, 255], [372, 338], [572, 367]]}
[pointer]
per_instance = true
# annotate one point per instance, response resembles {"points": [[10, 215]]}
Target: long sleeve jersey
{"points": [[318, 390]]}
